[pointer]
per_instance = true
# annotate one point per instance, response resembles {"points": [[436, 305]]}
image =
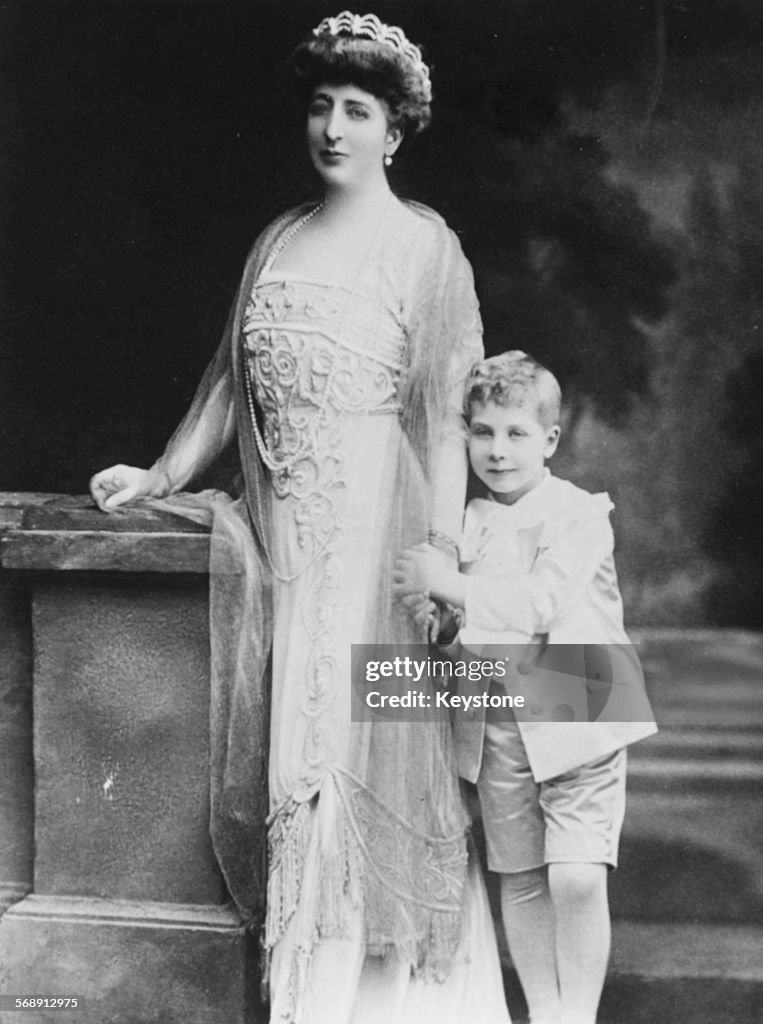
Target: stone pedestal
{"points": [[129, 910], [16, 761], [128, 961]]}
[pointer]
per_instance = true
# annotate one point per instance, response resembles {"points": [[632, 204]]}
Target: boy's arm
{"points": [[532, 602], [528, 602], [425, 571]]}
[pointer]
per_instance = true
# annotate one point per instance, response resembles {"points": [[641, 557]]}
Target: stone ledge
{"points": [[14, 504], [58, 533], [92, 910], [87, 550], [12, 892]]}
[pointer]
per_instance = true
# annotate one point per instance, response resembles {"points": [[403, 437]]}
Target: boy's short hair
{"points": [[514, 378]]}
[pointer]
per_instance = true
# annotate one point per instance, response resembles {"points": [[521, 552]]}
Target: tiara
{"points": [[368, 26]]}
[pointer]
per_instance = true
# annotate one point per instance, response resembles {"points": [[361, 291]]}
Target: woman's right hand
{"points": [[119, 485]]}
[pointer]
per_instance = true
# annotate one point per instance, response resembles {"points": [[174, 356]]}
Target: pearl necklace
{"points": [[304, 448], [289, 235], [278, 465], [287, 463]]}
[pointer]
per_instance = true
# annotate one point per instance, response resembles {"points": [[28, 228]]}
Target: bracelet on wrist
{"points": [[163, 485], [443, 543]]}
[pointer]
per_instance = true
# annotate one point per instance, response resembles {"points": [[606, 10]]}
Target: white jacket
{"points": [[541, 572]]}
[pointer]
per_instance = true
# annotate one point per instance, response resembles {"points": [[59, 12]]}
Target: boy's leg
{"points": [[579, 898], [528, 920], [583, 813], [515, 837]]}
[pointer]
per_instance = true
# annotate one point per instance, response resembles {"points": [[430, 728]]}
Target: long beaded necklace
{"points": [[286, 464], [287, 236], [273, 464], [303, 448]]}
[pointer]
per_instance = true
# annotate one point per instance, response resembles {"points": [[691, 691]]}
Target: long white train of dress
{"points": [[326, 366]]}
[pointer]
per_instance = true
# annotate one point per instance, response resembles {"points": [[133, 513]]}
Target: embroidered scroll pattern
{"points": [[308, 377]]}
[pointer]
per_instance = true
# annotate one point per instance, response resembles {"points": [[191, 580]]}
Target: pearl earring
{"points": [[387, 160]]}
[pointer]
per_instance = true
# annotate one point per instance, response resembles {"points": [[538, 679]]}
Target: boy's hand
{"points": [[424, 612], [416, 569], [418, 605], [425, 570]]}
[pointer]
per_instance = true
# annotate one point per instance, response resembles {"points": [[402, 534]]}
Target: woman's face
{"points": [[348, 135]]}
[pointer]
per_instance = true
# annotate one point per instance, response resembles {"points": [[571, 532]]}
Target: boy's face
{"points": [[508, 447]]}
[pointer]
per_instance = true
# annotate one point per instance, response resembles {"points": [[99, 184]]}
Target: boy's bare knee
{"points": [[523, 886], [577, 883]]}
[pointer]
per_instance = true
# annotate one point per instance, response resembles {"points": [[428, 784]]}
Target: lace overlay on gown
{"points": [[325, 365]]}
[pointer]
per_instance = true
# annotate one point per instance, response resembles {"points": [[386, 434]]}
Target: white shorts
{"points": [[575, 817]]}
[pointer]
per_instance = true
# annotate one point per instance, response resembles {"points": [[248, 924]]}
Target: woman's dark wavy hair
{"points": [[370, 65]]}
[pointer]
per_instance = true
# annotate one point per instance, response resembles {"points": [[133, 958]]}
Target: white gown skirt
{"points": [[317, 614]]}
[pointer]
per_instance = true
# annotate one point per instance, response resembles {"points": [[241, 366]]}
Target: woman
{"points": [[341, 371]]}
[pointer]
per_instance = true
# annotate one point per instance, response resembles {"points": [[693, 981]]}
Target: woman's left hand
{"points": [[119, 485]]}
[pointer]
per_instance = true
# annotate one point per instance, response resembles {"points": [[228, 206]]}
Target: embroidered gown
{"points": [[348, 405]]}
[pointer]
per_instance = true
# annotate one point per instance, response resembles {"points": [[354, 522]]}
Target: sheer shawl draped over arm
{"points": [[446, 341], [395, 841], [241, 618]]}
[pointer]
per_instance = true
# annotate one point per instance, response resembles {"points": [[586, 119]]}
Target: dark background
{"points": [[600, 160]]}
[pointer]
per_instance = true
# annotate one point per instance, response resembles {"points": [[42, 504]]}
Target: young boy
{"points": [[537, 566]]}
